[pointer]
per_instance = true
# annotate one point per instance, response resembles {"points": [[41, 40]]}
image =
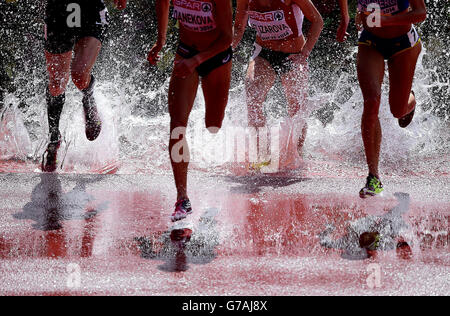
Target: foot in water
{"points": [[182, 209], [92, 119], [373, 187], [407, 119], [50, 157], [256, 167]]}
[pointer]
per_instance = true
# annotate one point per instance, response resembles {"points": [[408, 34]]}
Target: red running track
{"points": [[96, 235]]}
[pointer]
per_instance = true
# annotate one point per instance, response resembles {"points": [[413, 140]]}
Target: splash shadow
{"points": [[255, 183], [178, 247], [50, 205]]}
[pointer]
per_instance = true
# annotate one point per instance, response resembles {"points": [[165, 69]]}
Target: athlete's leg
{"points": [[370, 66], [401, 74], [258, 82], [86, 50], [216, 88], [260, 79], [295, 85], [58, 68], [182, 93]]}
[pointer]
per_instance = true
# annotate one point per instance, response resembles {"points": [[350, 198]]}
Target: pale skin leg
{"points": [[295, 84], [371, 66], [182, 93], [259, 80], [401, 75]]}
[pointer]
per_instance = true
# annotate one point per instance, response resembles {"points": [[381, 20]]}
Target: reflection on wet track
{"points": [[270, 237]]}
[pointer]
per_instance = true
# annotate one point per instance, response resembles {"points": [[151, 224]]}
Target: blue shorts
{"points": [[390, 47]]}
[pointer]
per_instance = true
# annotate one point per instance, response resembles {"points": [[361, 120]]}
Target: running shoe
{"points": [[404, 250], [370, 240], [258, 166], [92, 119], [407, 119], [50, 157], [373, 187], [182, 209]]}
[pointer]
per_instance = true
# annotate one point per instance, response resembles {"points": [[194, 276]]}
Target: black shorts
{"points": [[205, 69], [67, 21], [389, 48], [279, 61]]}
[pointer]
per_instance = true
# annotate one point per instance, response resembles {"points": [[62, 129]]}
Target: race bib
{"points": [[270, 26], [386, 6], [196, 16]]}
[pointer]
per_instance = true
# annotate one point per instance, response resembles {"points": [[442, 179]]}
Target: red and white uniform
{"points": [[195, 16], [277, 22]]}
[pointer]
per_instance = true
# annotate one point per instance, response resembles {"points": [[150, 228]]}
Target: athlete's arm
{"points": [[120, 4], [417, 14], [224, 20], [345, 20], [240, 22], [313, 15], [162, 12]]}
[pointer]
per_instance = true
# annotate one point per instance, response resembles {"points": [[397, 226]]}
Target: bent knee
{"points": [[400, 109], [56, 90], [57, 87], [81, 79]]}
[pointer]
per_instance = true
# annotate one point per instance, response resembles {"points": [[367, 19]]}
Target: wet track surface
{"points": [[81, 234]]}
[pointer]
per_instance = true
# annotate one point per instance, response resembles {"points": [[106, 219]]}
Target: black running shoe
{"points": [[407, 119], [92, 119], [50, 157]]}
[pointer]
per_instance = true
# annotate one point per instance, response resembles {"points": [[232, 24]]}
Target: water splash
{"points": [[135, 138]]}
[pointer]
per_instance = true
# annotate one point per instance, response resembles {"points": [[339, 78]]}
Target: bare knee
{"points": [[371, 108], [400, 108], [57, 86], [57, 89], [81, 78]]}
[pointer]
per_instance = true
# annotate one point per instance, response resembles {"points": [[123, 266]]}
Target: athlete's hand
{"points": [[300, 59], [153, 56], [359, 18], [120, 4], [342, 34], [185, 67]]}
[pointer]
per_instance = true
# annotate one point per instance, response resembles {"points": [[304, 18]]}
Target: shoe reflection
{"points": [[367, 236]]}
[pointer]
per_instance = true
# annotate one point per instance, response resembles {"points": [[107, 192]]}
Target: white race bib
{"points": [[270, 26], [196, 16]]}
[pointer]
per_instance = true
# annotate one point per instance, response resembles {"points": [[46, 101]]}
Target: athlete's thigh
{"points": [[295, 86], [401, 75], [86, 50], [370, 65], [182, 93], [216, 88], [260, 79]]}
